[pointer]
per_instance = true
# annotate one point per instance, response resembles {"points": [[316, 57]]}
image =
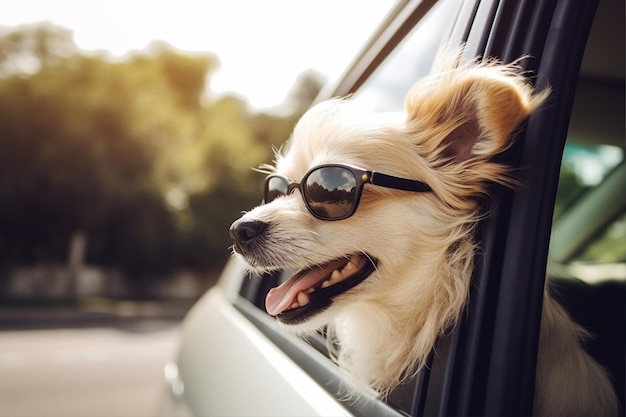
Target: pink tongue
{"points": [[282, 297]]}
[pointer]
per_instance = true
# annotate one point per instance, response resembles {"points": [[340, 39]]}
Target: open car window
{"points": [[588, 239]]}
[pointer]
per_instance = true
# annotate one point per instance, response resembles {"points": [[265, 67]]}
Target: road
{"points": [[85, 372]]}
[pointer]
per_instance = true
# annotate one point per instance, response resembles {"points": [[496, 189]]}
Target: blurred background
{"points": [[128, 130]]}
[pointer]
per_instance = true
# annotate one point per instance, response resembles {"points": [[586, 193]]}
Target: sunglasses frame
{"points": [[362, 177]]}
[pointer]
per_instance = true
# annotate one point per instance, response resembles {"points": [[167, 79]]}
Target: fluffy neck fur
{"points": [[387, 337], [569, 382]]}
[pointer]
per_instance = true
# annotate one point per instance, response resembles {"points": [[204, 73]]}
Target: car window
{"points": [[584, 166], [609, 246], [588, 239]]}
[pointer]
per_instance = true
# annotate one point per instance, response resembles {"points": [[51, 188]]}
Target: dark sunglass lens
{"points": [[330, 192], [275, 187]]}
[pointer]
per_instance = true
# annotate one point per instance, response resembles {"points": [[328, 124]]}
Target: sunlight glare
{"points": [[262, 46]]}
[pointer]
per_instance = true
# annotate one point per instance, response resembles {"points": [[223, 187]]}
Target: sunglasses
{"points": [[333, 191]]}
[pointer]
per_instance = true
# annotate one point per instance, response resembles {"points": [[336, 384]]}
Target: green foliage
{"points": [[127, 152]]}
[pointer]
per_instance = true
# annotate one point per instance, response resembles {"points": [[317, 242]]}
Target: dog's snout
{"points": [[242, 232]]}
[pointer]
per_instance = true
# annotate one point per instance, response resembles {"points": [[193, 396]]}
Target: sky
{"points": [[262, 45]]}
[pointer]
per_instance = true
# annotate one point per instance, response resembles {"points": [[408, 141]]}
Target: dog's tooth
{"points": [[326, 284], [357, 261], [309, 290], [350, 267], [303, 298], [335, 276]]}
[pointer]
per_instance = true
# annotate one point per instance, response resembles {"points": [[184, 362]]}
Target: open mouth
{"points": [[310, 291]]}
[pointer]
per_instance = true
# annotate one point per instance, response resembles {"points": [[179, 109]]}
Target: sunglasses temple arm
{"points": [[398, 183]]}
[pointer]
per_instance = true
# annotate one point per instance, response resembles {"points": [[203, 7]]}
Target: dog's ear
{"points": [[468, 113]]}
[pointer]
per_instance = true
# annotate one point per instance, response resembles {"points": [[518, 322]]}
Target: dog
{"points": [[377, 214]]}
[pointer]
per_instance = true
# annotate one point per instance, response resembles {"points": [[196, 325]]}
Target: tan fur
{"points": [[568, 381], [456, 120]]}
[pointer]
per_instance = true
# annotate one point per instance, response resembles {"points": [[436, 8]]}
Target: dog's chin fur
{"points": [[386, 326]]}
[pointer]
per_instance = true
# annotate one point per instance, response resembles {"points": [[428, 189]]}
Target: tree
{"points": [[33, 47], [129, 152]]}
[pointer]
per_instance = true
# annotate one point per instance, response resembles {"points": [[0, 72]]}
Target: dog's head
{"points": [[414, 176]]}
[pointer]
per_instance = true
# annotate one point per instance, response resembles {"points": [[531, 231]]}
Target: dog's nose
{"points": [[242, 232]]}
